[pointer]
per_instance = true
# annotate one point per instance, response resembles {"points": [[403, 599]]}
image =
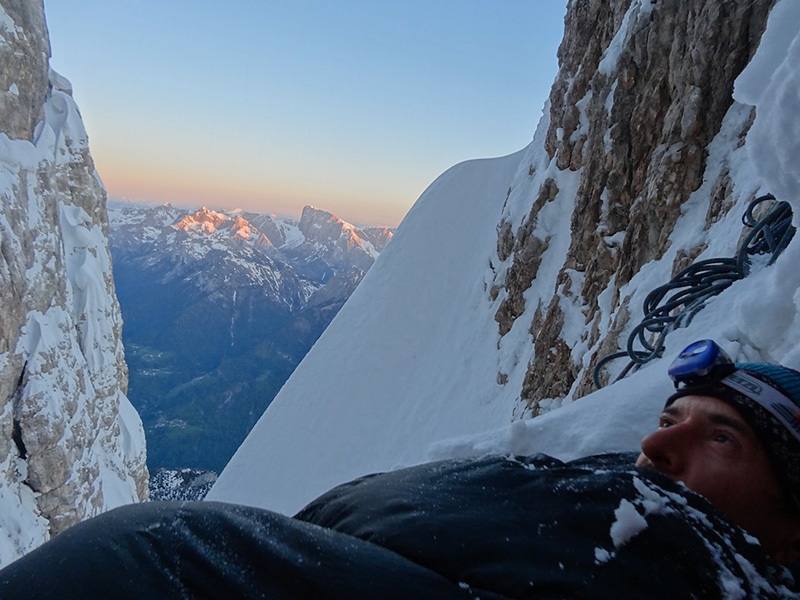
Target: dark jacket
{"points": [[539, 528], [491, 528]]}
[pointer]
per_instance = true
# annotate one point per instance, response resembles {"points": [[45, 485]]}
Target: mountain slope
{"points": [[219, 309], [641, 164], [374, 352]]}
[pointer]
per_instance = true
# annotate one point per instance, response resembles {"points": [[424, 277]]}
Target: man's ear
{"points": [[789, 551]]}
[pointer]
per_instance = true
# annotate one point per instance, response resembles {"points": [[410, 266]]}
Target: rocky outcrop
{"points": [[642, 91], [337, 242], [23, 67], [186, 485], [71, 445]]}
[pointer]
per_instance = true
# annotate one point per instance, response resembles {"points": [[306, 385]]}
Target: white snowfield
{"points": [[408, 370]]}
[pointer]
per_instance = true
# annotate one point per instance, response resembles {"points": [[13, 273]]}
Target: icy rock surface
{"points": [[71, 445]]}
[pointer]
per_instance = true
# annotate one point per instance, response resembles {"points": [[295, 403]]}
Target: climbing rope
{"points": [[674, 304]]}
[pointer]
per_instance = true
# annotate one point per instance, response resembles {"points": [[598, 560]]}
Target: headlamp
{"points": [[704, 362], [700, 362]]}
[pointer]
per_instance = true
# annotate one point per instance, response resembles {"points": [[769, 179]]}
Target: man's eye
{"points": [[663, 423], [723, 438]]}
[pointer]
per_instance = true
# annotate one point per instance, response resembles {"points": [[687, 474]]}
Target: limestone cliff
{"points": [[71, 445], [642, 91]]}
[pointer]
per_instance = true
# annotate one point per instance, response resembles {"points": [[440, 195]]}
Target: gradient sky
{"points": [[354, 106]]}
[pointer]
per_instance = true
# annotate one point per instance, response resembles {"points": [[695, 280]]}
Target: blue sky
{"points": [[353, 106]]}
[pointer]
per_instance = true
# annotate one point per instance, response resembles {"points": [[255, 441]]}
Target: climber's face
{"points": [[705, 443]]}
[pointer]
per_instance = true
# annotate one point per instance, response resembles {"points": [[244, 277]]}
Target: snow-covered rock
{"points": [[287, 259], [71, 445], [180, 484]]}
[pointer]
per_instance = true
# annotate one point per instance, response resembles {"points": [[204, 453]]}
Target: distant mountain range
{"points": [[219, 308]]}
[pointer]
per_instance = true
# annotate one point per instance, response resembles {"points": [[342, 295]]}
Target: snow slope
{"points": [[343, 390], [408, 370]]}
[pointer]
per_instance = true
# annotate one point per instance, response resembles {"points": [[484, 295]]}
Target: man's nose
{"points": [[666, 447]]}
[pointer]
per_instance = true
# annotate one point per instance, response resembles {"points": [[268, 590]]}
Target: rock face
{"points": [[642, 91], [71, 444], [336, 242]]}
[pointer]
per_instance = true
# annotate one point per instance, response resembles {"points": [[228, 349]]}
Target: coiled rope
{"points": [[693, 286]]}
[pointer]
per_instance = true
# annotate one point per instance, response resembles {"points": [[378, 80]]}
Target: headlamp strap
{"points": [[783, 409]]}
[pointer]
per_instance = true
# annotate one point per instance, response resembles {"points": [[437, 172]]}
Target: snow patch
{"points": [[627, 524]]}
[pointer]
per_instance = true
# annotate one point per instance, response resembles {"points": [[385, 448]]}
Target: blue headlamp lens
{"points": [[705, 362], [700, 362]]}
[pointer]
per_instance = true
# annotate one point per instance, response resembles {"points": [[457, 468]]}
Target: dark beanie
{"points": [[782, 447]]}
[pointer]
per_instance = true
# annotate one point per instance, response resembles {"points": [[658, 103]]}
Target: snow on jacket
{"points": [[539, 528], [491, 528]]}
